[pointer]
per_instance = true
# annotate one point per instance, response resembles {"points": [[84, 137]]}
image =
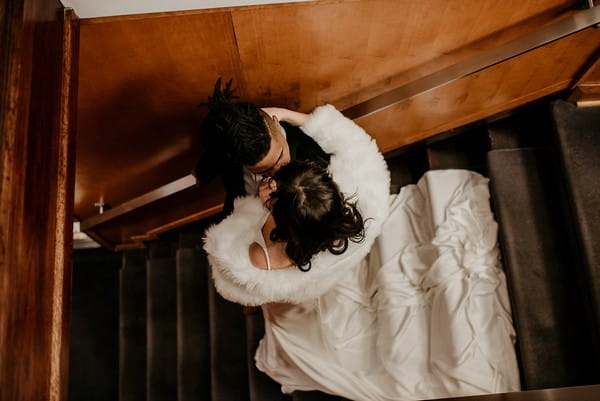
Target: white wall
{"points": [[104, 8]]}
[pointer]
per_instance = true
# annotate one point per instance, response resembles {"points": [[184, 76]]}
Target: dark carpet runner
{"points": [[162, 321], [193, 343], [132, 331], [578, 132]]}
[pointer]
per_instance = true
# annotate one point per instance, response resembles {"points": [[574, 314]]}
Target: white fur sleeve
{"points": [[356, 164], [332, 130]]}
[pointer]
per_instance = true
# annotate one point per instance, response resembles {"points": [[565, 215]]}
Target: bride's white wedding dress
{"points": [[425, 315], [418, 310]]}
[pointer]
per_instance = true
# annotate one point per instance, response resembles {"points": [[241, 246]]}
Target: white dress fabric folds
{"points": [[425, 315]]}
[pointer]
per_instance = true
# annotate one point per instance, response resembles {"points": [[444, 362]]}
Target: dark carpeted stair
{"points": [[406, 167], [315, 396], [261, 386], [460, 151], [578, 133], [540, 268], [132, 331], [193, 342], [162, 321], [94, 356], [228, 352]]}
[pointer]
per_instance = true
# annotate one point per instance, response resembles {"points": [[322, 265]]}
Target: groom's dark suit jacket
{"points": [[302, 147]]}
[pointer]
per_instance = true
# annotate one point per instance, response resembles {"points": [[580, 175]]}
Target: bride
{"points": [[366, 296]]}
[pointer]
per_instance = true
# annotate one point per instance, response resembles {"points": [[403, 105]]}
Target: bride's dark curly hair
{"points": [[311, 213]]}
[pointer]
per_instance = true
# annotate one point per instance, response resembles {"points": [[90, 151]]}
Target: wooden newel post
{"points": [[38, 98]]}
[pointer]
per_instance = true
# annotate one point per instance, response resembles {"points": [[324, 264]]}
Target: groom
{"points": [[244, 143]]}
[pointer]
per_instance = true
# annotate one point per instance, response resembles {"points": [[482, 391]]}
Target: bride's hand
{"points": [[278, 112], [286, 115], [266, 187]]}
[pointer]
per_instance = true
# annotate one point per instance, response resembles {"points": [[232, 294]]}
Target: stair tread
{"points": [[228, 362], [94, 325], [262, 387], [464, 151], [193, 370], [538, 262], [162, 322], [578, 132], [315, 396]]}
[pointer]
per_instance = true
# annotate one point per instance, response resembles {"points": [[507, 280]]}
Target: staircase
{"points": [[179, 340], [542, 258]]}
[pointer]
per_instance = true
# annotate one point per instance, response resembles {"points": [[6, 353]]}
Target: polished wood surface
{"points": [[486, 59], [140, 82], [141, 78], [63, 207], [505, 86], [586, 91], [348, 52], [36, 197]]}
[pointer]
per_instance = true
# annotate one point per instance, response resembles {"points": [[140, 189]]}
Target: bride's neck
{"points": [[279, 259], [267, 228]]}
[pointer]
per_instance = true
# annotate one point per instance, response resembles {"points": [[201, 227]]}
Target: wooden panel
{"points": [[505, 86], [593, 78], [346, 52], [36, 192], [142, 76], [586, 91], [140, 81]]}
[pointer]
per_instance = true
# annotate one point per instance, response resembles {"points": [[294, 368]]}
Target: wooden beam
{"points": [[159, 193], [138, 240], [38, 69]]}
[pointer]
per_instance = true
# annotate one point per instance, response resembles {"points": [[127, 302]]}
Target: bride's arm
{"points": [[285, 115], [336, 133]]}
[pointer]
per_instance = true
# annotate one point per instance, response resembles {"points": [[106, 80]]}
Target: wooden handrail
{"points": [[486, 59]]}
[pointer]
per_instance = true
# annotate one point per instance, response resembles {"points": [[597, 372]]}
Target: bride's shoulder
{"points": [[257, 256]]}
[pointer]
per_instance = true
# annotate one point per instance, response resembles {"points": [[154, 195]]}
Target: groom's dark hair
{"points": [[232, 132]]}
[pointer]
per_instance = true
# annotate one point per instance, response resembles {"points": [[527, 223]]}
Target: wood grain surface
{"points": [[347, 52], [140, 82], [36, 198], [141, 77], [505, 86]]}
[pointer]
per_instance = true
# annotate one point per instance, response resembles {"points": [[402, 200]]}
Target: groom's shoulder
{"points": [[293, 133], [302, 146]]}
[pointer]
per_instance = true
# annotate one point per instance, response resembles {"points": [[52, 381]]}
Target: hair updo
{"points": [[232, 132], [311, 214]]}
